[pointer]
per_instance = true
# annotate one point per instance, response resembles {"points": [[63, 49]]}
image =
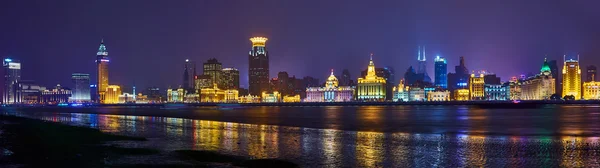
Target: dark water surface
{"points": [[361, 136]]}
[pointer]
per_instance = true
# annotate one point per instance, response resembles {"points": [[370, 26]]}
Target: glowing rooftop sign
{"points": [[7, 60]]}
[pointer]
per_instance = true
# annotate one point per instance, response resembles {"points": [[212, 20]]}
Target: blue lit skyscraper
{"points": [[422, 66], [81, 90], [441, 72]]}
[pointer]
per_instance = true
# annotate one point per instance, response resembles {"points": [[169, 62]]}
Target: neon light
{"points": [[104, 60], [8, 60]]}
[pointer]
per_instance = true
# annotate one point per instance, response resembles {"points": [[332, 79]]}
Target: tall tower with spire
{"points": [[102, 71], [422, 67]]}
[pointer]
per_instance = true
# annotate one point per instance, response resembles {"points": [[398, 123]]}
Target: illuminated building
{"points": [[189, 74], [476, 87], [273, 97], [571, 78], [540, 86], [416, 94], [462, 95], [81, 90], [102, 71], [126, 98], [515, 88], [231, 95], [401, 92], [214, 69], [153, 95], [12, 75], [112, 94], [291, 99], [422, 68], [56, 95], [249, 99], [175, 95], [591, 90], [141, 99], [460, 78], [438, 95], [203, 81], [371, 87], [388, 74], [332, 92], [27, 92], [591, 72], [213, 94], [497, 92], [191, 98], [231, 78], [258, 73], [441, 72]]}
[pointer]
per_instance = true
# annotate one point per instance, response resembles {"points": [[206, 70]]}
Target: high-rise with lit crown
{"points": [[102, 72], [441, 72], [12, 75], [571, 78], [258, 72]]}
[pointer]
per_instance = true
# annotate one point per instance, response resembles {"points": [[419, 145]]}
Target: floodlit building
{"points": [[214, 69], [571, 78], [231, 95], [462, 95], [27, 92], [258, 73], [126, 98], [249, 99], [540, 86], [191, 98], [401, 92], [102, 61], [141, 99], [273, 97], [111, 94], [175, 95], [213, 94], [591, 90], [371, 87], [495, 92], [56, 95], [81, 90], [332, 92], [291, 99], [476, 87], [12, 75], [438, 95], [416, 94], [515, 88]]}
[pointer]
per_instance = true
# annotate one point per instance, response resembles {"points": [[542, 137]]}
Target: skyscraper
{"points": [[81, 90], [102, 65], [477, 87], [12, 75], [590, 72], [460, 78], [258, 72], [189, 73], [422, 68], [214, 69], [441, 72], [231, 78], [571, 78]]}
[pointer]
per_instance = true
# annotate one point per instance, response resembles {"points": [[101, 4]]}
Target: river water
{"points": [[359, 136]]}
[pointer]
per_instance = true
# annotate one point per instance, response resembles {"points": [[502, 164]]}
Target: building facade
{"points": [[441, 72], [272, 97], [591, 72], [462, 95], [438, 95], [231, 78], [12, 75], [27, 92], [571, 74], [258, 73], [495, 92], [189, 74], [176, 95], [102, 61], [214, 69], [477, 87], [56, 95], [81, 87], [371, 87], [112, 94], [591, 90], [460, 78], [331, 92], [540, 86]]}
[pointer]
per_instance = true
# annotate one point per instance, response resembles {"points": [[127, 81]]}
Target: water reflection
{"points": [[312, 147]]}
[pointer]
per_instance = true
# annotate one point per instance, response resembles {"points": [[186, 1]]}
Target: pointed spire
{"points": [[331, 71], [371, 57], [102, 41], [419, 54], [423, 54]]}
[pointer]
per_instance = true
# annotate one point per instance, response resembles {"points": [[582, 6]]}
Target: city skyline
{"points": [[293, 45]]}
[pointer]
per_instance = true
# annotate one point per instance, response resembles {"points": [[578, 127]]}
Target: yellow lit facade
{"points": [[112, 94], [371, 87], [291, 99], [461, 95], [438, 96], [175, 95], [274, 97], [141, 99], [539, 87], [591, 90], [248, 99], [213, 94], [102, 72], [231, 95], [477, 87], [258, 41], [571, 79]]}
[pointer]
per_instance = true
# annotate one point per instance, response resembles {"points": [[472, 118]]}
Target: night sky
{"points": [[148, 40]]}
